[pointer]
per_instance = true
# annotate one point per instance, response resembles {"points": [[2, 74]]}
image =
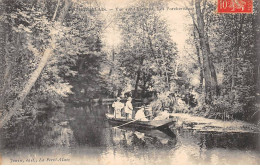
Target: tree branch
{"points": [[192, 16], [55, 13]]}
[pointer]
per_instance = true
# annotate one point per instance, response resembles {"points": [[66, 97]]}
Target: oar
{"points": [[130, 122]]}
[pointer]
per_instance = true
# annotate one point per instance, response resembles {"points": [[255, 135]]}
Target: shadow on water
{"points": [[245, 141], [92, 131], [97, 142], [91, 128], [88, 125]]}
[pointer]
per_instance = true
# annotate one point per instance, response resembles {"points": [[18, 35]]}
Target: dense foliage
{"points": [[221, 77], [52, 51], [233, 44], [44, 42]]}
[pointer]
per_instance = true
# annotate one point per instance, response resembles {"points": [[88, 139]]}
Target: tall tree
{"points": [[210, 76], [147, 52], [45, 57]]}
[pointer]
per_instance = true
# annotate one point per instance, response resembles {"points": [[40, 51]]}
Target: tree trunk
{"points": [[176, 68], [56, 10], [4, 70], [138, 76], [144, 83], [238, 38], [167, 80], [34, 76], [8, 67], [137, 82], [208, 67], [152, 51], [113, 59], [199, 59], [256, 21]]}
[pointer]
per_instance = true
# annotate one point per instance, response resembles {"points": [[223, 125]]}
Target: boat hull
{"points": [[153, 124]]}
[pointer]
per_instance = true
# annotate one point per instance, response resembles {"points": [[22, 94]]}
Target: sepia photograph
{"points": [[129, 82]]}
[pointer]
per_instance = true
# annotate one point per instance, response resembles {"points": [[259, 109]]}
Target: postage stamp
{"points": [[235, 6]]}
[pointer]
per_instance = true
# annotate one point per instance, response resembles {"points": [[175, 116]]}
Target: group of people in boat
{"points": [[144, 113]]}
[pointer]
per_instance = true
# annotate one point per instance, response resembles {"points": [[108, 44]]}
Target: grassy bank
{"points": [[189, 121]]}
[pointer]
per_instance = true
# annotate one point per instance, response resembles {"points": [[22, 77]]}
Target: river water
{"points": [[94, 141]]}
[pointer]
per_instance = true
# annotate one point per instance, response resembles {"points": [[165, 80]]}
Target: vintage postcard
{"points": [[129, 82]]}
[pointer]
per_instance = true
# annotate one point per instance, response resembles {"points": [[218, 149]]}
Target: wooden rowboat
{"points": [[153, 124]]}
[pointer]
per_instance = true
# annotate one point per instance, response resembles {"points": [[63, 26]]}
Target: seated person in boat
{"points": [[148, 111], [140, 115], [129, 108], [162, 115], [117, 108]]}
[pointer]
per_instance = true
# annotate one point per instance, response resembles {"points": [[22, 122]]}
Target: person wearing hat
{"points": [[129, 108], [117, 107], [140, 115]]}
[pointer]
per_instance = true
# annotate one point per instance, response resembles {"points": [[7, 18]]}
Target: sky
{"points": [[178, 20]]}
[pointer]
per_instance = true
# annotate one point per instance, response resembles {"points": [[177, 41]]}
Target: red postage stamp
{"points": [[235, 6]]}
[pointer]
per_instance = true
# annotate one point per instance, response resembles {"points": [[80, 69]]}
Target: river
{"points": [[94, 141]]}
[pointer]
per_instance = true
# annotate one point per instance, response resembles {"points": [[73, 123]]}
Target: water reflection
{"points": [[141, 139], [135, 146], [96, 142], [216, 148]]}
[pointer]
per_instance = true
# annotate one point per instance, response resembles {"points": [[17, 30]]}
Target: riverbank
{"points": [[188, 121]]}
